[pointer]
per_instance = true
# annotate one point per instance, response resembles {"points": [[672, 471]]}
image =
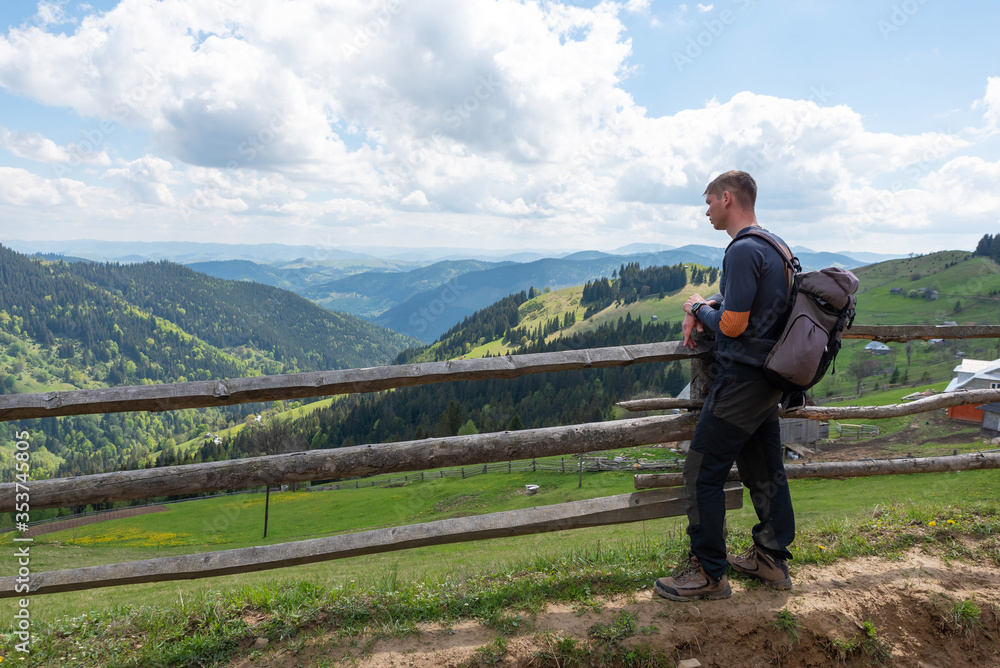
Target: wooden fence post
{"points": [[267, 504], [702, 369]]}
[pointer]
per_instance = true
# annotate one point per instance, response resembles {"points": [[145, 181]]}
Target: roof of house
{"points": [[876, 345], [974, 366], [970, 370], [990, 408]]}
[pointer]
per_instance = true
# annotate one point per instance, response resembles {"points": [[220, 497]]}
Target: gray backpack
{"points": [[820, 307]]}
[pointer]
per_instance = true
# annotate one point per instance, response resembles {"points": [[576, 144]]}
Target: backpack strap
{"points": [[791, 262]]}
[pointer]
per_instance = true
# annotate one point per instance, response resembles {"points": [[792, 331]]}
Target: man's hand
{"points": [[691, 301], [690, 321], [688, 326]]}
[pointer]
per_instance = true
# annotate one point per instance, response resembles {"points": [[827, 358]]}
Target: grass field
{"points": [[233, 522]]}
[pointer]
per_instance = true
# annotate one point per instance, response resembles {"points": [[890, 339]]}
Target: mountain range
{"points": [[417, 292]]}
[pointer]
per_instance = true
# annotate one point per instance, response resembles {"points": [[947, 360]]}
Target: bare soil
{"points": [[913, 437], [909, 601]]}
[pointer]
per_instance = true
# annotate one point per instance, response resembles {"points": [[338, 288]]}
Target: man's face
{"points": [[716, 211]]}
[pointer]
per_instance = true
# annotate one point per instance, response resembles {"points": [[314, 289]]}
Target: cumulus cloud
{"points": [[144, 180], [37, 147], [990, 104], [499, 117], [637, 6], [19, 187], [416, 198]]}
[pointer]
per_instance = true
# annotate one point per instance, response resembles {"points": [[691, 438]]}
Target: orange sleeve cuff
{"points": [[734, 323]]}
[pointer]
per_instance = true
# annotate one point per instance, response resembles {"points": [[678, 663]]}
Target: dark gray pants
{"points": [[739, 423]]}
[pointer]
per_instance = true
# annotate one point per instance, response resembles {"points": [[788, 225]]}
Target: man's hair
{"points": [[740, 184]]}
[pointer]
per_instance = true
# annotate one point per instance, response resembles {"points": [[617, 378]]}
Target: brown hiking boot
{"points": [[756, 563], [692, 583]]}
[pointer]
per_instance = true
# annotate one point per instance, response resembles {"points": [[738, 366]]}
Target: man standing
{"points": [[739, 421]]}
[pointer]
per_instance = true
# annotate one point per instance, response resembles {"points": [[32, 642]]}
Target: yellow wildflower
{"points": [[932, 523]]}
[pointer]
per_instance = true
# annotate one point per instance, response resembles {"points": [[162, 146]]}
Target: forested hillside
{"points": [[447, 409], [68, 326], [529, 321]]}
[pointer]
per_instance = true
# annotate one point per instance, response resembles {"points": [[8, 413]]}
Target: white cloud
{"points": [[37, 147], [991, 104], [493, 118], [637, 6], [51, 13], [416, 198], [145, 180], [19, 187]]}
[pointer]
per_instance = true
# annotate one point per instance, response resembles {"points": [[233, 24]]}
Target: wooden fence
{"points": [[393, 457]]}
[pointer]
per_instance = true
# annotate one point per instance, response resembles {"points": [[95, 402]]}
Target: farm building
{"points": [[877, 348], [973, 375], [991, 420]]}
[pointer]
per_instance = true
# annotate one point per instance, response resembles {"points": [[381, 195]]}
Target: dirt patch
{"points": [[848, 613], [914, 435]]}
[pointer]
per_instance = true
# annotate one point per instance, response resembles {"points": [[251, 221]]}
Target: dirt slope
{"points": [[909, 601]]}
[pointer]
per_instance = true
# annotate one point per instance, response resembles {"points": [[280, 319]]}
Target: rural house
{"points": [[973, 375], [877, 348], [991, 420]]}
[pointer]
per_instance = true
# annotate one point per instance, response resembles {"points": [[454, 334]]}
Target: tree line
{"points": [[630, 282]]}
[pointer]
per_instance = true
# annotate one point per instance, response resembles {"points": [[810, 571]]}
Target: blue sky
{"points": [[497, 123]]}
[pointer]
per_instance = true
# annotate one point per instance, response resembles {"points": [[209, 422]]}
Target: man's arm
{"points": [[741, 268], [690, 321]]}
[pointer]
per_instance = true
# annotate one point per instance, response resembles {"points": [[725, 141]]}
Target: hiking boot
{"points": [[756, 563], [692, 583]]}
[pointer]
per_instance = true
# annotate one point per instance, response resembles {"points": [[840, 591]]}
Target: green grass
{"points": [[555, 303], [213, 524], [218, 624]]}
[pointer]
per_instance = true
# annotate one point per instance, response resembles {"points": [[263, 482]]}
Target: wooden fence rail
{"points": [[587, 465], [943, 400], [202, 394], [352, 462], [386, 458], [864, 467], [900, 333], [633, 507]]}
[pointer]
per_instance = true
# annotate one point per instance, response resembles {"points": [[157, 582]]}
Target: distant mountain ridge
{"points": [[404, 291]]}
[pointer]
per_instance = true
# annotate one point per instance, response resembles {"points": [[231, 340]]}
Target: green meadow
{"points": [[237, 521]]}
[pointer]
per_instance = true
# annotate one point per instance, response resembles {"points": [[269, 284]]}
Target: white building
{"points": [[975, 375]]}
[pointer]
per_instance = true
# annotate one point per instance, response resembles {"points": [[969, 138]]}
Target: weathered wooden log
{"points": [[934, 402], [865, 467], [360, 460], [911, 332], [200, 394], [661, 404], [633, 507]]}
